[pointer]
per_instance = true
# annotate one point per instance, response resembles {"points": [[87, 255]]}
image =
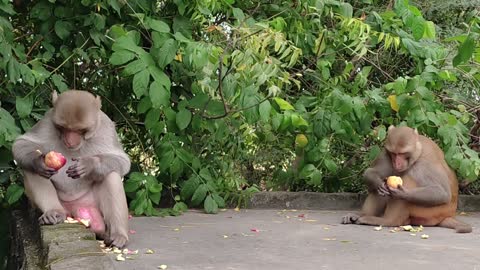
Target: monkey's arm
{"points": [[112, 162], [376, 174], [25, 148], [433, 189]]}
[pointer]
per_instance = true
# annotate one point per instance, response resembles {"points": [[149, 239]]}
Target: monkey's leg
{"points": [[112, 202], [44, 196], [458, 226], [396, 214], [374, 205]]}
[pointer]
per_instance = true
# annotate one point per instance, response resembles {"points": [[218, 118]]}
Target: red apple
{"points": [[55, 160]]}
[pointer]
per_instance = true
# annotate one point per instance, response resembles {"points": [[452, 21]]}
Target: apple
{"points": [[55, 160], [394, 181]]}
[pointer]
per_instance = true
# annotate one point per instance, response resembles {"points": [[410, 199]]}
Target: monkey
{"points": [[90, 184], [429, 192]]}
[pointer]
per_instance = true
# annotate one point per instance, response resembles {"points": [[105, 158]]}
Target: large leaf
{"points": [[210, 205], [183, 118], [189, 188], [199, 194], [24, 105], [159, 95], [14, 192], [167, 53], [121, 57], [8, 129], [157, 25], [465, 51], [283, 104], [140, 83], [63, 29], [265, 109]]}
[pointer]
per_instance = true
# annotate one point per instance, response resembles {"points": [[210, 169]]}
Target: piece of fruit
{"points": [[55, 160], [301, 140], [394, 181]]}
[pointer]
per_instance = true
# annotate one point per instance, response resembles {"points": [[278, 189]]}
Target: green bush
{"points": [[209, 96]]}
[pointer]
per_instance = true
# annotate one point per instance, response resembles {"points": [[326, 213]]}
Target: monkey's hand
{"points": [[39, 167], [383, 189], [83, 166], [398, 193]]}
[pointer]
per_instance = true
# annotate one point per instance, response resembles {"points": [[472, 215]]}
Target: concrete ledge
{"points": [[53, 247], [332, 201]]}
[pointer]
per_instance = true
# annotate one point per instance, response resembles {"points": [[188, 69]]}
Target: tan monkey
{"points": [[429, 192], [90, 185]]}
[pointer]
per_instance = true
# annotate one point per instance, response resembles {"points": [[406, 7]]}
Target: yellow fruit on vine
{"points": [[301, 140]]}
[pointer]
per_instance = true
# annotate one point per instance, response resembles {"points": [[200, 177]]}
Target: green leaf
{"points": [[155, 188], [131, 186], [144, 105], [128, 42], [298, 121], [140, 83], [284, 105], [189, 188], [59, 82], [205, 174], [199, 194], [14, 193], [429, 30], [134, 67], [316, 178], [167, 53], [159, 95], [115, 5], [157, 25], [219, 200], [238, 14], [346, 10], [176, 166], [24, 106], [160, 76], [183, 118], [13, 70], [63, 29], [330, 165], [465, 51], [418, 27], [121, 57], [180, 206], [265, 109], [210, 205], [166, 159]]}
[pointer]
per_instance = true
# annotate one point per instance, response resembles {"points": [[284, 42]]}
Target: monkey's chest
{"points": [[69, 189]]}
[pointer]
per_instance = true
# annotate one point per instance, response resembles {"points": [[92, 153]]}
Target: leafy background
{"points": [[215, 100]]}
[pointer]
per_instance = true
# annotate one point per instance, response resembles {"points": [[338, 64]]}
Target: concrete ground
{"points": [[302, 239]]}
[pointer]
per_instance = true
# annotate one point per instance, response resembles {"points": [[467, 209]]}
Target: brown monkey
{"points": [[429, 193], [90, 184]]}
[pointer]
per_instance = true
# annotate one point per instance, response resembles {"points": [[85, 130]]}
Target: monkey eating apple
{"points": [[85, 180]]}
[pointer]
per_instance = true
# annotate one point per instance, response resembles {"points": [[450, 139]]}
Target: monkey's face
{"points": [[72, 139], [403, 147], [75, 118], [400, 161]]}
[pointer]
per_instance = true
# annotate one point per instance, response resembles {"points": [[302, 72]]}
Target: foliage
{"points": [[209, 96]]}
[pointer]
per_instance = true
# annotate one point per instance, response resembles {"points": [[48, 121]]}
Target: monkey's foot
{"points": [[52, 217], [116, 239], [350, 219]]}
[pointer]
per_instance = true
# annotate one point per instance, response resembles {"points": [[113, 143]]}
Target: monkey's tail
{"points": [[455, 224]]}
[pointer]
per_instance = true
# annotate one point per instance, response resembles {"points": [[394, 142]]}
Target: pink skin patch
{"points": [[93, 215]]}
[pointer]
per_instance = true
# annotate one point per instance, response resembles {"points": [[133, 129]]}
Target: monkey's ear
{"points": [[391, 127], [99, 102], [54, 97]]}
